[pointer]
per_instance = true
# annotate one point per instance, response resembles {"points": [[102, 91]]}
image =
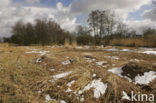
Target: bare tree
{"points": [[93, 21], [122, 29], [102, 22]]}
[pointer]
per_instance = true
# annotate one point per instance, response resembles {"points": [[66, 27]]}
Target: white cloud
{"points": [[10, 15], [140, 25], [4, 3], [122, 7], [150, 14], [66, 16]]}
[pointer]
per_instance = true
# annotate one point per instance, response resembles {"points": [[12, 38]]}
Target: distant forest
{"points": [[103, 29]]}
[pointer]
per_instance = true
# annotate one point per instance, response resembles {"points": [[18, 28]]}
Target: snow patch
{"points": [[62, 101], [79, 47], [39, 60], [101, 63], [150, 52], [94, 75], [48, 98], [112, 49], [134, 60], [118, 71], [125, 50], [146, 78], [82, 99], [52, 70], [90, 60], [98, 86], [68, 90], [41, 53], [66, 62], [69, 85], [62, 75]]}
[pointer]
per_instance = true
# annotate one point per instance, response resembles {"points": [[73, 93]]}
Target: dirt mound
{"points": [[131, 70]]}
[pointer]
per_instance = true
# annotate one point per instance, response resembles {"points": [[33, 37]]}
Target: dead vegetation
{"points": [[135, 42], [22, 80]]}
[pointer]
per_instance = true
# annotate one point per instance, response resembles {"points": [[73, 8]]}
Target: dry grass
{"points": [[134, 42], [74, 43], [21, 78], [128, 42], [67, 43]]}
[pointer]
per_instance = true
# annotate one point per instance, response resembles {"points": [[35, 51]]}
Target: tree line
{"points": [[103, 29], [43, 32], [106, 28]]}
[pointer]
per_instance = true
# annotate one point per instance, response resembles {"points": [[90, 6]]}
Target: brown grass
{"points": [[74, 43], [67, 43], [21, 78], [128, 42], [135, 42]]}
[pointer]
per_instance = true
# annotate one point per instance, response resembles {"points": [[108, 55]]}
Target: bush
{"points": [[85, 39]]}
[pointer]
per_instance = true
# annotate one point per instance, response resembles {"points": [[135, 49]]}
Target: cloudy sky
{"points": [[70, 13]]}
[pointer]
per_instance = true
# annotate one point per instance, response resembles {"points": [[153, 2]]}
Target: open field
{"points": [[55, 74]]}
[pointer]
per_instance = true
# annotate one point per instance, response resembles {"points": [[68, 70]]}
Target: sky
{"points": [[137, 14]]}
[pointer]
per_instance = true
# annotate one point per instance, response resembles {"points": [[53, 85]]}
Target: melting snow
{"points": [[146, 78], [82, 100], [39, 60], [99, 88], [89, 60], [38, 52], [101, 63], [58, 76], [125, 96], [125, 50], [136, 60], [112, 49], [48, 98], [118, 71], [66, 62], [150, 52], [94, 75], [62, 101], [68, 90], [52, 69], [43, 52], [69, 85], [79, 47]]}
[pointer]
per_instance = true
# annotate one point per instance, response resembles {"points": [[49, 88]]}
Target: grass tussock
{"points": [[74, 43], [67, 43]]}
